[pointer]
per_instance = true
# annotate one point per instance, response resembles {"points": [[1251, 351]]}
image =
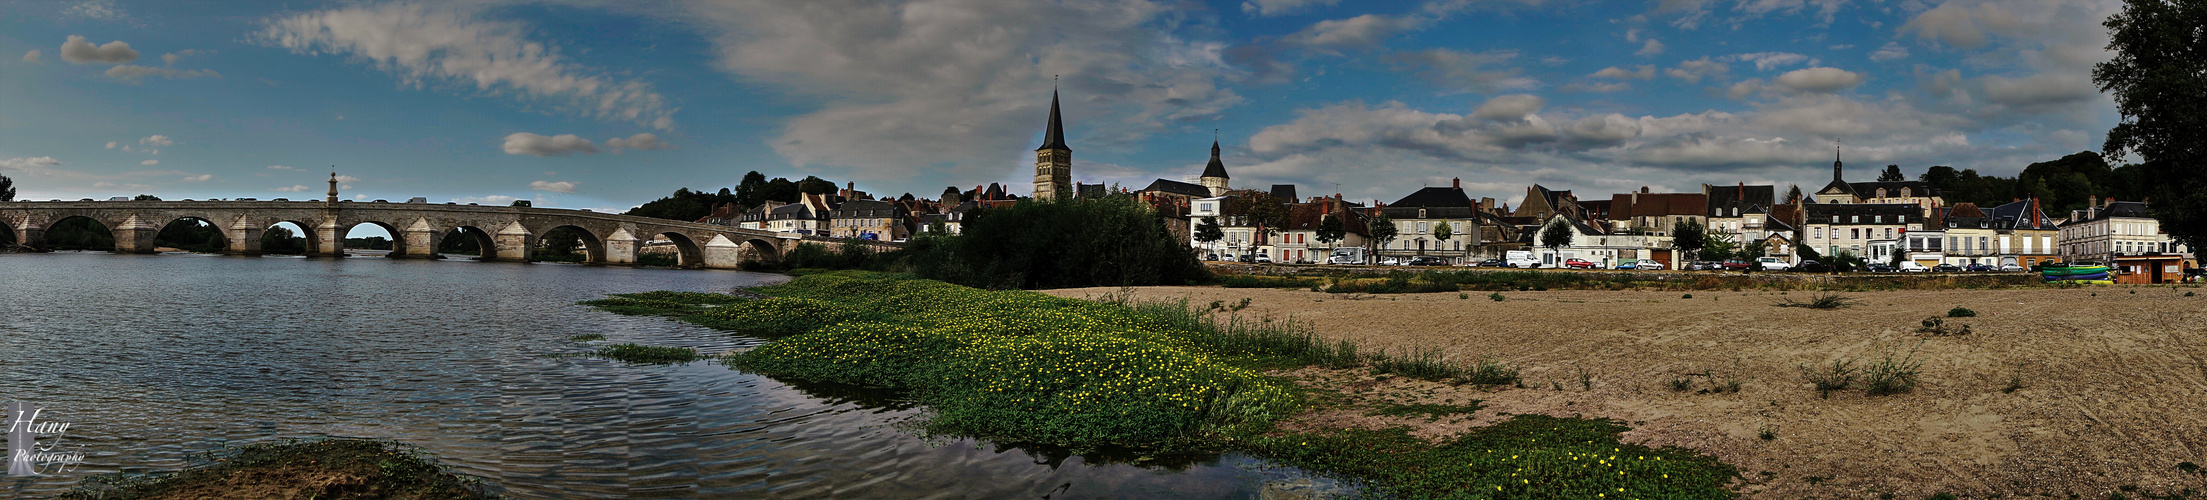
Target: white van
{"points": [[1773, 264], [1521, 259]]}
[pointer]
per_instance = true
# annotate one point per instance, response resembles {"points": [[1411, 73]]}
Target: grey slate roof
{"points": [[1215, 168], [1055, 137], [1179, 188]]}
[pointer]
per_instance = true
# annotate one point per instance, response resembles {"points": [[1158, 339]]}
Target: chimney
{"points": [[1643, 189], [1743, 190], [2094, 201], [1456, 182]]}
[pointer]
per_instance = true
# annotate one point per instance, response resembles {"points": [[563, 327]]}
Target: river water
{"points": [[153, 359]]}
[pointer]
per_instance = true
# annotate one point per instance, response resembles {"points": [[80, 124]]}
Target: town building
{"points": [[2107, 229], [1834, 228], [1299, 241], [2023, 234], [1214, 178], [1420, 217], [1656, 214], [869, 220]]}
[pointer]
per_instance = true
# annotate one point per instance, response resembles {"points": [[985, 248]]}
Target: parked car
{"points": [[2011, 268], [1773, 264], [1982, 268], [1810, 266], [1697, 265], [1389, 261], [1910, 266], [1946, 268], [1491, 263], [1263, 259], [1579, 264], [1427, 260], [1630, 264], [1736, 265], [1647, 265]]}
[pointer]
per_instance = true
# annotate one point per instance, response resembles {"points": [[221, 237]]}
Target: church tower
{"points": [[1053, 161], [1214, 173]]}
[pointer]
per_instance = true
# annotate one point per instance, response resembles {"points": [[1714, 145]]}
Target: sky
{"points": [[608, 104]]}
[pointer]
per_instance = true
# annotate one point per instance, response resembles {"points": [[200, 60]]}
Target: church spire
{"points": [[1835, 161], [1054, 138]]}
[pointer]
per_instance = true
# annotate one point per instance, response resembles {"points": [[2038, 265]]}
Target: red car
{"points": [[1737, 265], [1578, 264]]}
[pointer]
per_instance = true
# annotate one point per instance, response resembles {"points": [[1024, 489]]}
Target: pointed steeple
{"points": [[1215, 168], [1055, 137], [1835, 163]]}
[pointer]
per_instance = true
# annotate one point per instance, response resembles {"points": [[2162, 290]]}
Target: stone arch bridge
{"points": [[504, 233]]}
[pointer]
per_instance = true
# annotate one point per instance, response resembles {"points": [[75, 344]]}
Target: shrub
{"points": [[1836, 376], [1823, 300], [1960, 312], [1496, 296], [1891, 375], [1527, 456]]}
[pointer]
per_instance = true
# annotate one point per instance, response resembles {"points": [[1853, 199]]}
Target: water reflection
{"points": [[158, 358]]}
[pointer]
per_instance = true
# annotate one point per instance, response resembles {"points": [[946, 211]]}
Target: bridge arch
{"points": [[461, 238], [179, 229], [397, 238], [80, 232], [761, 250], [9, 234], [689, 253], [272, 241], [592, 245]]}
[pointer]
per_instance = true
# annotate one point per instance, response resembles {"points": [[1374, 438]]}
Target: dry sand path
{"points": [[2114, 379]]}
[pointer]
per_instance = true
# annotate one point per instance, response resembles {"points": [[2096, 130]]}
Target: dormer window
{"points": [[1904, 193], [1421, 213]]}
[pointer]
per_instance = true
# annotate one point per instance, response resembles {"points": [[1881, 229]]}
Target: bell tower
{"points": [[1053, 161]]}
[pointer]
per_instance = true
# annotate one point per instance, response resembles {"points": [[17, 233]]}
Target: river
{"points": [[153, 359]]}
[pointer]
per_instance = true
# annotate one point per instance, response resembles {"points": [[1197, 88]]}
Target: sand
{"points": [[2113, 396]]}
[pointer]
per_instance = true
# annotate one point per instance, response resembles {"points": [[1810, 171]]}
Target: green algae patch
{"points": [[329, 468]]}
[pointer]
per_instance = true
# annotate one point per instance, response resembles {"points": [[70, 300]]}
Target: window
{"points": [[1421, 225], [1854, 234], [1888, 232], [1857, 219], [1880, 219], [1205, 207]]}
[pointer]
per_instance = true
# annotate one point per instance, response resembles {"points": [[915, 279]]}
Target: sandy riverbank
{"points": [[2114, 384]]}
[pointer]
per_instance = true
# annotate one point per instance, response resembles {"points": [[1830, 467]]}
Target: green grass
{"points": [[587, 337], [648, 355], [1838, 375], [1528, 456], [1248, 281], [1892, 373], [290, 468]]}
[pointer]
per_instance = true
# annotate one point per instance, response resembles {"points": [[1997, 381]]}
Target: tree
{"points": [[280, 240], [779, 189], [1331, 230], [1257, 209], [815, 185], [1383, 230], [7, 188], [751, 191], [1718, 245], [683, 205], [1442, 230], [1892, 174], [1208, 233], [1107, 241], [2158, 78], [1687, 237], [146, 197], [1793, 194], [1557, 235]]}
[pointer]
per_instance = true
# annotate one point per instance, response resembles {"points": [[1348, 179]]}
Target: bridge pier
{"points": [[30, 237], [135, 236], [514, 243], [620, 248], [244, 236], [328, 240], [722, 253], [420, 241]]}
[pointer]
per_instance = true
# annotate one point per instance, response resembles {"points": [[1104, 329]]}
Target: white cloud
{"points": [[79, 51], [347, 178], [556, 187], [1653, 47], [281, 167], [27, 163], [103, 10], [136, 74], [1509, 107], [1819, 79], [1263, 8], [295, 188], [909, 91], [199, 178], [638, 141], [31, 56], [524, 143], [1596, 87], [447, 45], [1363, 32], [171, 58], [1641, 72], [157, 140], [1891, 51], [150, 162], [1764, 61], [1693, 71], [1465, 71], [110, 144]]}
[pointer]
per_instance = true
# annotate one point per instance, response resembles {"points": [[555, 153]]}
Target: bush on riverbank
{"points": [[332, 468], [1106, 241]]}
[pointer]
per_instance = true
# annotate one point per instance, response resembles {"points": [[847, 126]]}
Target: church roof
{"points": [[1055, 137], [1285, 193], [1179, 188], [1215, 168]]}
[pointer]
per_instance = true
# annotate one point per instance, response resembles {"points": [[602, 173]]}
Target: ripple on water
{"points": [[154, 359]]}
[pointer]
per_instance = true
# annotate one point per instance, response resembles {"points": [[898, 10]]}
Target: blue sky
{"points": [[604, 105]]}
